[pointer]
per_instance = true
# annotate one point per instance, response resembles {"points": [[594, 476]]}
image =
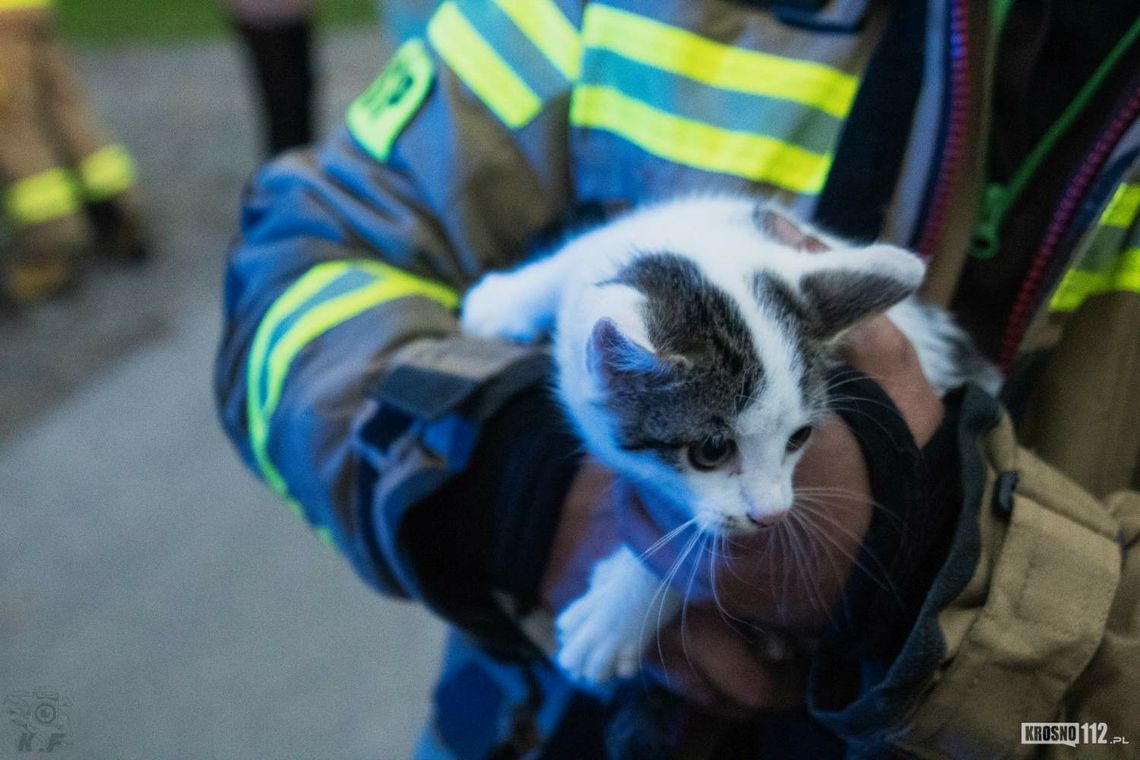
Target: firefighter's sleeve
{"points": [[1016, 604], [433, 461]]}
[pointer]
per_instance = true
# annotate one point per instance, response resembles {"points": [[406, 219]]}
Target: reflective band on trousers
{"points": [[106, 172], [327, 295], [13, 5], [42, 197]]}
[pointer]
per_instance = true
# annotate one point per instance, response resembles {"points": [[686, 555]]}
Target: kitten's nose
{"points": [[767, 519], [767, 508]]}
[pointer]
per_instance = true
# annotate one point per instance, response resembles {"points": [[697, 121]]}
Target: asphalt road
{"points": [[174, 607]]}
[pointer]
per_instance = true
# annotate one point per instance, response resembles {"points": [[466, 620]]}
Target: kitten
{"points": [[693, 339]]}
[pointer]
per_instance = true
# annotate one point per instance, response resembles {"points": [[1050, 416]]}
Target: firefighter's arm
{"points": [[342, 379]]}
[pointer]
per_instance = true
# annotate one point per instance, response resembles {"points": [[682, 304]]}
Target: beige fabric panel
{"points": [[1084, 414], [23, 18], [66, 108], [24, 147], [1106, 691], [46, 118], [1032, 619]]}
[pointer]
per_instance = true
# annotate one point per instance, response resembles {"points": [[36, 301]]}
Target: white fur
{"points": [[934, 335], [602, 633], [560, 291]]}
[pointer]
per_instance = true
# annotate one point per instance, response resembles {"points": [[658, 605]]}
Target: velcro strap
{"points": [[430, 378]]}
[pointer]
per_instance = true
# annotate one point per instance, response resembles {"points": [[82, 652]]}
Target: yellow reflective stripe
{"points": [[725, 66], [325, 536], [550, 31], [743, 154], [42, 197], [391, 283], [107, 172], [1076, 286], [482, 69], [6, 5], [304, 288], [329, 314], [323, 532], [323, 318], [1121, 210]]}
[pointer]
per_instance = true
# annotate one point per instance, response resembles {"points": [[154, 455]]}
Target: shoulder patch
{"points": [[377, 117]]}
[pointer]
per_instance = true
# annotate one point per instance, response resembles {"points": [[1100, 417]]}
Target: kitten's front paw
{"points": [[595, 644], [494, 308], [603, 633]]}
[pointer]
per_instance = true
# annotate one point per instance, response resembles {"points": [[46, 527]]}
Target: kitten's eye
{"points": [[711, 453], [797, 439]]}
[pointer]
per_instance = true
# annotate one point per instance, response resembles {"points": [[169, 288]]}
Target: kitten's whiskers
{"points": [[878, 575], [660, 543]]}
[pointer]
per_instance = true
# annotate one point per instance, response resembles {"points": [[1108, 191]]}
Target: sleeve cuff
{"points": [[487, 472], [529, 459], [887, 642]]}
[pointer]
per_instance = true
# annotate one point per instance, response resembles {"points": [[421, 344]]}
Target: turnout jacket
{"points": [[437, 463]]}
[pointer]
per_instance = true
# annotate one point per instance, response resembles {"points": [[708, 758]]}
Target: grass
{"points": [[115, 22]]}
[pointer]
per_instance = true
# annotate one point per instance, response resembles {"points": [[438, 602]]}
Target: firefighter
{"points": [[999, 140], [68, 189]]}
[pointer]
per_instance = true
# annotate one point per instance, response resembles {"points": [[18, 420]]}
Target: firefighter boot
{"points": [[44, 261]]}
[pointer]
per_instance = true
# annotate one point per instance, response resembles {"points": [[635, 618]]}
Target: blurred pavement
{"points": [[181, 610]]}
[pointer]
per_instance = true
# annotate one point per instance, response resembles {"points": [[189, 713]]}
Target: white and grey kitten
{"points": [[692, 340]]}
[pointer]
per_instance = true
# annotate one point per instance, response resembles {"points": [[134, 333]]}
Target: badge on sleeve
{"points": [[378, 116]]}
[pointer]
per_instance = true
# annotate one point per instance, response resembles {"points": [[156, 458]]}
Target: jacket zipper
{"points": [[1074, 193], [957, 117], [998, 198]]}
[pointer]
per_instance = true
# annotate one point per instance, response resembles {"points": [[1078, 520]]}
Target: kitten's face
{"points": [[716, 415], [743, 479], [714, 401]]}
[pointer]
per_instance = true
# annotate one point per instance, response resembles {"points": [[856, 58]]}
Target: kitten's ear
{"points": [[785, 230], [840, 288], [612, 354]]}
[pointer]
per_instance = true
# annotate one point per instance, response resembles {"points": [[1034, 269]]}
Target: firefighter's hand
{"points": [[713, 658]]}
